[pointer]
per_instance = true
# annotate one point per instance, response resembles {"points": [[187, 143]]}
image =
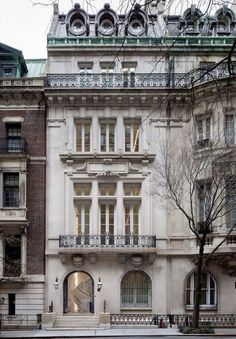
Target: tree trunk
{"points": [[198, 286]]}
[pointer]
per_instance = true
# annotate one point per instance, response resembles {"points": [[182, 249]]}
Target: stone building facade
{"points": [[119, 86]]}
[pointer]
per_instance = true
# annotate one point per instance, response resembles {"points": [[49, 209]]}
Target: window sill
{"points": [[202, 308]]}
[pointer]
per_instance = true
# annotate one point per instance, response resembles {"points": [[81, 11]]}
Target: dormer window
{"points": [[8, 72], [223, 24]]}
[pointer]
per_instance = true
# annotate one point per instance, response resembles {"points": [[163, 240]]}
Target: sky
{"points": [[24, 26]]}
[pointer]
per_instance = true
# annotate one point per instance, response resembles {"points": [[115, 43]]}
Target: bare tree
{"points": [[200, 181]]}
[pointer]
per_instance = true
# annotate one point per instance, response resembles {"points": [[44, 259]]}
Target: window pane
{"points": [[128, 138], [103, 137], [132, 189], [82, 189], [11, 190], [86, 137], [79, 138], [111, 137], [229, 129], [136, 138], [200, 130], [107, 189]]}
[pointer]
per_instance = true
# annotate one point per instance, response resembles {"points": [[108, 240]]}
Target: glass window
{"points": [[83, 218], [204, 201], [14, 143], [108, 189], [203, 131], [107, 211], [231, 202], [83, 136], [208, 294], [132, 189], [107, 136], [82, 189], [229, 129], [12, 262], [136, 290], [132, 137], [11, 189]]}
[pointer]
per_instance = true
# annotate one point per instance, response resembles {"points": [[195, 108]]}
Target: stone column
{"points": [[24, 252]]}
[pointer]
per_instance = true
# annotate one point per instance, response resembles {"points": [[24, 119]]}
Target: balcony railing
{"points": [[136, 80], [107, 240], [11, 145]]}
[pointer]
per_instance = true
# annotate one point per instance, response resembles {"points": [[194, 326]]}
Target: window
{"points": [[8, 72], [107, 136], [223, 24], [132, 136], [203, 131], [14, 143], [83, 136], [85, 69], [231, 202], [83, 218], [204, 205], [209, 293], [136, 290], [12, 262], [229, 128], [11, 304], [11, 189], [131, 205], [129, 77], [107, 189], [82, 189], [107, 223]]}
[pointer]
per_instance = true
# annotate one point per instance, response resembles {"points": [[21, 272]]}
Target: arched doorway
{"points": [[78, 293]]}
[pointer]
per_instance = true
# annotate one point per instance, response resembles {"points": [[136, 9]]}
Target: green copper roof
{"points": [[36, 68]]}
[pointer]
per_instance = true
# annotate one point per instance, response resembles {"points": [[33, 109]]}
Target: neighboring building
{"points": [[22, 183], [116, 89]]}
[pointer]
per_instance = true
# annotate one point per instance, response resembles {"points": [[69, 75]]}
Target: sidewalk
{"points": [[70, 333], [90, 333]]}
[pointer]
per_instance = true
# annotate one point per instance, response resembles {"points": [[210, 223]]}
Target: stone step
{"points": [[77, 322]]}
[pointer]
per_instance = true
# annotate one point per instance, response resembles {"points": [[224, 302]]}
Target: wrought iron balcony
{"points": [[107, 240], [116, 80], [136, 80], [13, 145]]}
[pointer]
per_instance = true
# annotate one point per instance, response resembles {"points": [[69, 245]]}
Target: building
{"points": [[22, 182], [117, 87]]}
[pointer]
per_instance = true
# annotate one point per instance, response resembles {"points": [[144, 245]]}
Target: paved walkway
{"points": [[70, 333]]}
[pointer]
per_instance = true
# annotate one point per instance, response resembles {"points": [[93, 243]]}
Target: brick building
{"points": [[22, 182]]}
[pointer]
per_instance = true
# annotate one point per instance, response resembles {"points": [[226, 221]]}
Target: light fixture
{"points": [[2, 301], [99, 285], [56, 283]]}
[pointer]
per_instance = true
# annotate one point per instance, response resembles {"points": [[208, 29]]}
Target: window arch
{"points": [[209, 290], [136, 290]]}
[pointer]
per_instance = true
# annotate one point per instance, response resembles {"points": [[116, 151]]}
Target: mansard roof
{"points": [[15, 55]]}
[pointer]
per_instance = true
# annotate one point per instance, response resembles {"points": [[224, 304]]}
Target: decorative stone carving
{"points": [[78, 260], [65, 259], [136, 260], [81, 168], [227, 262]]}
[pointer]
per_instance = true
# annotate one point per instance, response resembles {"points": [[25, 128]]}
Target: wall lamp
{"points": [[2, 300], [56, 283], [99, 285]]}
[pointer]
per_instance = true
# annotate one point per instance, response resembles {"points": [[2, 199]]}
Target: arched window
{"points": [[136, 290], [209, 290]]}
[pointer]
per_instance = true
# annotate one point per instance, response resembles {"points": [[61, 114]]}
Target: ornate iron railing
{"points": [[13, 145], [136, 80], [20, 320], [204, 41], [166, 320], [107, 240]]}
